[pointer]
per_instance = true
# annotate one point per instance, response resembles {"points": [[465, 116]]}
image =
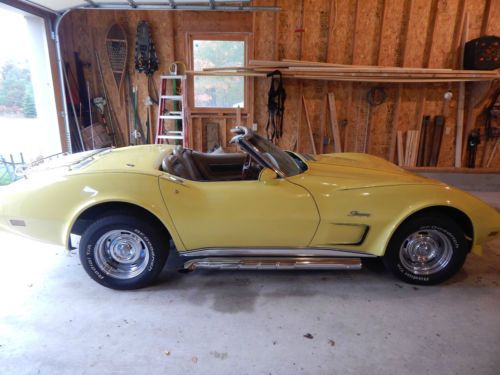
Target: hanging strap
{"points": [[275, 107]]}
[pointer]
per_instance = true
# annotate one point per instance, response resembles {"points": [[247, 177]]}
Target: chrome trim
{"points": [[361, 214], [273, 251], [175, 179], [426, 252], [122, 254], [303, 263]]}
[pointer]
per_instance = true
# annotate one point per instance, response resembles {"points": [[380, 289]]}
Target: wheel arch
{"points": [[455, 214], [88, 215]]}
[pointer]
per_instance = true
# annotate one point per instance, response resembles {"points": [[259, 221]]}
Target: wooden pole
{"points": [[400, 147], [461, 99], [394, 124], [309, 127], [337, 146]]}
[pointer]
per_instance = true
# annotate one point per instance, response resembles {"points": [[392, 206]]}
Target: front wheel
{"points": [[123, 252], [426, 250]]}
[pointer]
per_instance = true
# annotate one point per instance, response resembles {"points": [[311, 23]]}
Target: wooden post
{"points": [[309, 127], [394, 124], [400, 147], [461, 99], [334, 123]]}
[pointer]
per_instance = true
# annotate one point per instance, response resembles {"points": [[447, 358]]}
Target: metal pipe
{"points": [[180, 7], [73, 109], [62, 87]]}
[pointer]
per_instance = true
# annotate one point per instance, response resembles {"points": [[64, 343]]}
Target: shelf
{"points": [[171, 136], [172, 97], [452, 170], [173, 77]]}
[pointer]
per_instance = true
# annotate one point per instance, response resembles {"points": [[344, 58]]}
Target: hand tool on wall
{"points": [[473, 141], [148, 102], [91, 123], [436, 143], [375, 96], [76, 144], [82, 92], [492, 132], [424, 134], [116, 135], [448, 95], [100, 104]]}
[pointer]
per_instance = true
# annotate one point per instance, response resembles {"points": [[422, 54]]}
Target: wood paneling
{"points": [[410, 33]]}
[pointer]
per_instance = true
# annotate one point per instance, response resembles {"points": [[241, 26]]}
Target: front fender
{"points": [[383, 209]]}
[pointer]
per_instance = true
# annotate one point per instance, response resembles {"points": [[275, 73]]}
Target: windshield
{"points": [[276, 157]]}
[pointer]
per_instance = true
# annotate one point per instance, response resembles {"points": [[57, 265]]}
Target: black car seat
{"points": [[180, 164]]}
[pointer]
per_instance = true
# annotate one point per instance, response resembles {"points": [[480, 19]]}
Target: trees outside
{"points": [[16, 91], [222, 92]]}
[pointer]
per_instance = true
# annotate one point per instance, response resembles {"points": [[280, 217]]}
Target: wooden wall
{"points": [[409, 33]]}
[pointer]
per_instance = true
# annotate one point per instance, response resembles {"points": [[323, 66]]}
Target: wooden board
{"points": [[334, 123], [410, 33]]}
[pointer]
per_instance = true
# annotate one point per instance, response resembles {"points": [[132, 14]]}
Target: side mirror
{"points": [[267, 175]]}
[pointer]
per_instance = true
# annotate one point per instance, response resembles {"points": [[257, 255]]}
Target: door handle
{"points": [[175, 179]]}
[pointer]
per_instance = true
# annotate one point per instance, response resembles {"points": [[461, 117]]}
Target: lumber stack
{"points": [[359, 73]]}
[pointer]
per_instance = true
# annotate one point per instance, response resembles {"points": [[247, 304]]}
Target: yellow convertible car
{"points": [[263, 208]]}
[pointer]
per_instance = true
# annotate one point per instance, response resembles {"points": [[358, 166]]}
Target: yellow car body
{"points": [[346, 201]]}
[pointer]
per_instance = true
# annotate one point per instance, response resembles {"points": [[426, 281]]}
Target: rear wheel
{"points": [[123, 252], [427, 250]]}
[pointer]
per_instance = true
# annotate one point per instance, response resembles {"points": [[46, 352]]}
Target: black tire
{"points": [[123, 252], [410, 250]]}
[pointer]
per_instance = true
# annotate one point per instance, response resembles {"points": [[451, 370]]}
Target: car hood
{"points": [[353, 171]]}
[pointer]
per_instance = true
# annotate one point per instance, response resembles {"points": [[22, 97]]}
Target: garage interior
{"points": [[384, 77]]}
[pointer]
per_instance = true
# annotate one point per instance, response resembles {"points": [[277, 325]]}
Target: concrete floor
{"points": [[55, 320]]}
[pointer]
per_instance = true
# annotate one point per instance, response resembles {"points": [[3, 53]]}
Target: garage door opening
{"points": [[28, 116]]}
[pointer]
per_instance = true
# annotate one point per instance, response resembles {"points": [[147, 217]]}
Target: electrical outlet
{"points": [[254, 126]]}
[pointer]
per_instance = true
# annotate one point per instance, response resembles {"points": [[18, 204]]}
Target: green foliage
{"points": [[29, 109], [16, 90], [222, 92], [218, 53], [4, 176]]}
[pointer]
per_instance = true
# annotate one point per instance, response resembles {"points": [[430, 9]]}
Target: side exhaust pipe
{"points": [[273, 263]]}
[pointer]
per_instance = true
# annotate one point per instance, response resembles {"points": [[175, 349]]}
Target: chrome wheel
{"points": [[426, 252], [121, 254]]}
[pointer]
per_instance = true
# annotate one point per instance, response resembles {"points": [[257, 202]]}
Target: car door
{"points": [[275, 213]]}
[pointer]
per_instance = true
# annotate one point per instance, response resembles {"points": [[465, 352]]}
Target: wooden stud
{"points": [[309, 127], [461, 100], [492, 154], [394, 124], [238, 116], [334, 123], [401, 151]]}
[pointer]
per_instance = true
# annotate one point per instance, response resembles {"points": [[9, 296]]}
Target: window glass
{"points": [[213, 91]]}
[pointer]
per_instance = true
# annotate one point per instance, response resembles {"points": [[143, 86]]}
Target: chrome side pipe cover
{"points": [[273, 263]]}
